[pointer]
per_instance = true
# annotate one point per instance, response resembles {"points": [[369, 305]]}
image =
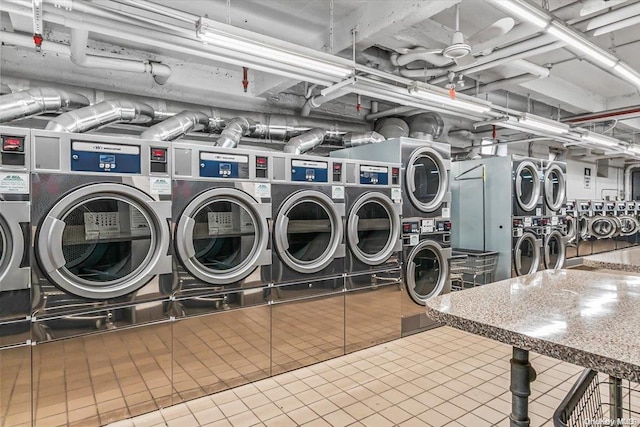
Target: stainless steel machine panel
{"points": [[307, 324], [100, 213], [218, 351], [372, 309], [425, 172], [102, 378]]}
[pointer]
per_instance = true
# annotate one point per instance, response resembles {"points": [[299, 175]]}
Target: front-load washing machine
{"points": [[554, 243], [602, 226], [221, 214], [554, 188], [527, 234], [101, 212], [373, 257], [425, 172], [426, 253], [308, 209]]}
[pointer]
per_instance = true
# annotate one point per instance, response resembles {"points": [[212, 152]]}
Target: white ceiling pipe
{"points": [[506, 60], [617, 26], [502, 83], [78, 55], [614, 16], [182, 42], [79, 39], [317, 101], [389, 112]]}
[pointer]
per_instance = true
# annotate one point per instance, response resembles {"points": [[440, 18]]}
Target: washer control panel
{"points": [[220, 165], [103, 157], [309, 171], [374, 175]]}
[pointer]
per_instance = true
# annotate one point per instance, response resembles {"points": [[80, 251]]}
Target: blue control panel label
{"points": [[374, 175], [309, 171], [100, 157], [217, 165]]}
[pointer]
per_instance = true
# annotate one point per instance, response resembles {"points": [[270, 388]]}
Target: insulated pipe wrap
{"points": [[233, 131], [392, 128], [177, 126], [37, 101], [305, 142], [356, 139], [103, 113], [426, 124]]}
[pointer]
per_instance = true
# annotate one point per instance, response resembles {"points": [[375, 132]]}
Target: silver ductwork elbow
{"points": [[233, 131], [305, 142], [356, 139], [392, 128], [30, 102], [426, 126], [178, 125], [4, 89], [101, 114]]}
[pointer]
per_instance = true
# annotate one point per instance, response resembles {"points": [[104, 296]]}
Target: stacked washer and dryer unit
{"points": [[426, 227], [505, 204], [15, 301], [100, 263]]}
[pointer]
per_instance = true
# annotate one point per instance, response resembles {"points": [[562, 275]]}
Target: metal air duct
{"points": [[4, 89], [356, 139], [179, 125], [305, 142], [425, 125], [233, 131], [103, 113], [392, 128], [30, 102]]}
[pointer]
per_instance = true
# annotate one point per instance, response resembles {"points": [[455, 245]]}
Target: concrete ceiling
{"points": [[574, 85]]}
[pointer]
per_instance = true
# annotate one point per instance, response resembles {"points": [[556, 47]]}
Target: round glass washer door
{"points": [[222, 235], [602, 227], [554, 250], [554, 187], [427, 271], [526, 254], [572, 228], [527, 185], [307, 231], [104, 240], [373, 228], [427, 179]]}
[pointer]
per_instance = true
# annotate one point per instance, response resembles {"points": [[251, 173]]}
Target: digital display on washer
{"points": [[101, 157], [374, 175], [220, 165], [309, 171]]}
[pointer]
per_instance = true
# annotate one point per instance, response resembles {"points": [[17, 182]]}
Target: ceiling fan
{"points": [[459, 50]]}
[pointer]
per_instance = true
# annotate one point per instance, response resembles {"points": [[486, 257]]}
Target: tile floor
{"points": [[442, 377]]}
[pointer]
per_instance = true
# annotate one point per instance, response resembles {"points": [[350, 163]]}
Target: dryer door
{"points": [[526, 254], [308, 231], [628, 225], [554, 250], [527, 185], [555, 187], [602, 227], [427, 271], [572, 228], [14, 229], [104, 240], [427, 179], [373, 228], [222, 235]]}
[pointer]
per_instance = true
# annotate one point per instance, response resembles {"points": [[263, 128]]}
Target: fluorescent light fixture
{"points": [[634, 148], [267, 48], [522, 11], [422, 91], [551, 126], [578, 42], [599, 139], [626, 72]]}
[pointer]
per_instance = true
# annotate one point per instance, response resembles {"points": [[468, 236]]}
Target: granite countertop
{"points": [[586, 318], [623, 259]]}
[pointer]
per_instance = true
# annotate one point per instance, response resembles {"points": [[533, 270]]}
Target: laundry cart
{"points": [[469, 268]]}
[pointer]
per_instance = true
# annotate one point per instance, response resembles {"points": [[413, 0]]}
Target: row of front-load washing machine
{"points": [[261, 261], [602, 225]]}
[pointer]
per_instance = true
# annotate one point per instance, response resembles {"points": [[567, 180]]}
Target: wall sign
{"points": [[587, 177]]}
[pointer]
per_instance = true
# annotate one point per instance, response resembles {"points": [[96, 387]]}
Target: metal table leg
{"points": [[522, 375], [615, 396]]}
